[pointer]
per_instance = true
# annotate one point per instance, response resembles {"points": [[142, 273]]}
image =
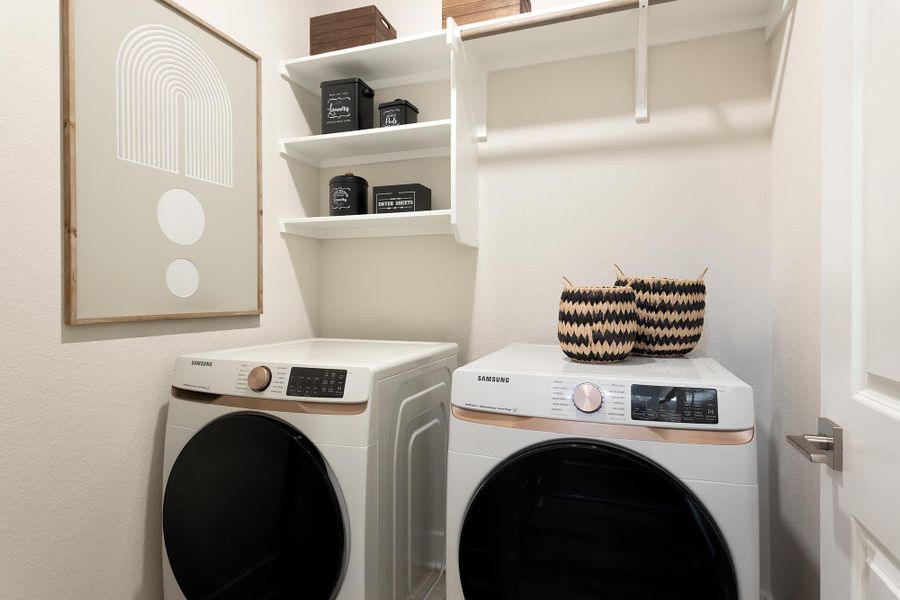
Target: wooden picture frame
{"points": [[70, 172]]}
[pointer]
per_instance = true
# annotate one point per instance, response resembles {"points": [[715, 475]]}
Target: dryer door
{"points": [[250, 511], [578, 519]]}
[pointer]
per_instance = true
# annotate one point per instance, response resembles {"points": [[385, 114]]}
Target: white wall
{"points": [[570, 185], [796, 55], [83, 408]]}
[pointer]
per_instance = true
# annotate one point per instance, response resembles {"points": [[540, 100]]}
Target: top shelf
{"points": [[414, 59], [426, 57]]}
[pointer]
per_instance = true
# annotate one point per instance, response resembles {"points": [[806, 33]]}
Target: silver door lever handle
{"points": [[826, 447]]}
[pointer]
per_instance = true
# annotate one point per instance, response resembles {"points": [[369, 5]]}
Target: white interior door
{"points": [[860, 505]]}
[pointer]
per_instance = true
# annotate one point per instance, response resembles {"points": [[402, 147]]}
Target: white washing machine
{"points": [[569, 481], [313, 469]]}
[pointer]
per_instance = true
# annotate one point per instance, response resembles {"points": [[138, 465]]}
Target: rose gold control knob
{"points": [[588, 398], [259, 378]]}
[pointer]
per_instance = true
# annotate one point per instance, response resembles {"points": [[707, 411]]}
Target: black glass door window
{"points": [[251, 513], [584, 520]]}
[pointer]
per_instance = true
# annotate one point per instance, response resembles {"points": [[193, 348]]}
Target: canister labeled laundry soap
{"points": [[347, 105], [398, 112], [406, 197], [347, 195]]}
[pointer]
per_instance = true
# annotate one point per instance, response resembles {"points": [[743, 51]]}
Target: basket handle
{"points": [[703, 274], [620, 272], [566, 279]]}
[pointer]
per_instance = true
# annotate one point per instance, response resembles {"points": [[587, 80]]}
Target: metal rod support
{"points": [[561, 16]]}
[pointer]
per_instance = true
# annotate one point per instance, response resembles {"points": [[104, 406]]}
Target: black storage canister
{"points": [[347, 195], [347, 105], [398, 112], [405, 197]]}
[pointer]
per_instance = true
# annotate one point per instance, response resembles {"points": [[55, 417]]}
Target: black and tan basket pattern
{"points": [[597, 324], [669, 313]]}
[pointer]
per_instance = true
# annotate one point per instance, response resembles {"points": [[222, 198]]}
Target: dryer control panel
{"points": [[670, 393]]}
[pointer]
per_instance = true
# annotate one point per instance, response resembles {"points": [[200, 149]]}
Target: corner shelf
{"points": [[368, 146], [427, 222]]}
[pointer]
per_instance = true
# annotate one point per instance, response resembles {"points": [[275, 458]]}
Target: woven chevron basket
{"points": [[669, 313], [597, 324]]}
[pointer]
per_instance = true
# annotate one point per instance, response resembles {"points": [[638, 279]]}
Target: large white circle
{"points": [[182, 278], [181, 216]]}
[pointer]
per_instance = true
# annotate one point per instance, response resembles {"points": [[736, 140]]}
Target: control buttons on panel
{"points": [[587, 397], [259, 378]]}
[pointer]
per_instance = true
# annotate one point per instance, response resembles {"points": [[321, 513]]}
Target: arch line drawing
{"points": [[167, 85]]}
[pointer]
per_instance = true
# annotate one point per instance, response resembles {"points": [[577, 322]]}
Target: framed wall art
{"points": [[162, 187]]}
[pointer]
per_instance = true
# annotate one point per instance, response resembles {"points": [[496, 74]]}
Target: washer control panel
{"points": [[317, 383], [274, 381]]}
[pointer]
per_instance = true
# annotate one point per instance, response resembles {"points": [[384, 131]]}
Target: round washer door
{"points": [[585, 520], [250, 512]]}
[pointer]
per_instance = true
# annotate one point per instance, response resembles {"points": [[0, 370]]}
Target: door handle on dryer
{"points": [[826, 447]]}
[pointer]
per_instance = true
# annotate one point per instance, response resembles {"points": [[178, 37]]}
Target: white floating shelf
{"points": [[428, 222], [382, 144], [413, 59]]}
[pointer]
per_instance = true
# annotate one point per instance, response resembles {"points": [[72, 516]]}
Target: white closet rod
{"points": [[539, 20]]}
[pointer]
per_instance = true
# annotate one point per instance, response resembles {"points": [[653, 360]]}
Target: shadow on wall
{"points": [[151, 585], [588, 104], [310, 106], [400, 289], [798, 576]]}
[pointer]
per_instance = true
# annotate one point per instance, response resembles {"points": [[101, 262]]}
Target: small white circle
{"points": [[181, 216], [182, 278]]}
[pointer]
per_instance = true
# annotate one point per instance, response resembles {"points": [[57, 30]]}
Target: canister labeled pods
{"points": [[347, 195], [398, 112]]}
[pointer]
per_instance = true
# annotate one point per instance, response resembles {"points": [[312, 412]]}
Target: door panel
{"points": [[881, 140], [582, 520], [879, 572], [861, 295], [250, 512]]}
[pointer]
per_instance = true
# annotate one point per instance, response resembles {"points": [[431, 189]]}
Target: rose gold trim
{"points": [[312, 408], [620, 432]]}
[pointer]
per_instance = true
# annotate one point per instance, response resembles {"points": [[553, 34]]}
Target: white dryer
{"points": [[570, 481], [313, 469]]}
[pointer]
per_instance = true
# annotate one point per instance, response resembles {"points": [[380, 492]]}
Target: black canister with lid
{"points": [[347, 105], [347, 195], [398, 112]]}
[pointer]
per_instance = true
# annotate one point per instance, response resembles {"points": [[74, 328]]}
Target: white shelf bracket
{"points": [[477, 95], [641, 112], [454, 39], [779, 10]]}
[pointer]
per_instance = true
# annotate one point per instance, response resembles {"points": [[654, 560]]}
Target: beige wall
{"points": [[83, 408], [796, 54]]}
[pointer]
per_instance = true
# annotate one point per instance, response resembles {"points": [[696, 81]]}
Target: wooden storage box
{"points": [[469, 11], [347, 29]]}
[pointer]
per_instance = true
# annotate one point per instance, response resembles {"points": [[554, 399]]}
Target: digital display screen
{"points": [[317, 383], [674, 404]]}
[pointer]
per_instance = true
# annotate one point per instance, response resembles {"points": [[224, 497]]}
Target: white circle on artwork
{"points": [[182, 278], [181, 216]]}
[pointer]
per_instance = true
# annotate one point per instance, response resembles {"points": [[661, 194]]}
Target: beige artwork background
{"points": [[117, 253]]}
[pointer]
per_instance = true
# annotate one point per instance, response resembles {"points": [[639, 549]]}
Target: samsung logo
{"points": [[201, 363], [492, 379]]}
